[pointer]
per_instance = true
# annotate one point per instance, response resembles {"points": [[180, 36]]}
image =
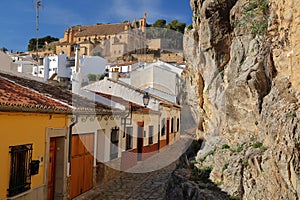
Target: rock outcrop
{"points": [[243, 83]]}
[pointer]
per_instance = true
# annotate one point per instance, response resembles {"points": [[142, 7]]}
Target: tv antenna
{"points": [[38, 5]]}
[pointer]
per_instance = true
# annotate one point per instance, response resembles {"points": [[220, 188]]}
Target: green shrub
{"points": [[291, 115], [257, 145], [225, 146], [225, 167], [212, 152]]}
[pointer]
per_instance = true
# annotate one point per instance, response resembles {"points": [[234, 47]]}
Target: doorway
{"points": [[168, 131], [55, 164], [140, 140]]}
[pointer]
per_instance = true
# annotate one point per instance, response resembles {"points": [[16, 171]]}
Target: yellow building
{"points": [[86, 129], [105, 40], [30, 123]]}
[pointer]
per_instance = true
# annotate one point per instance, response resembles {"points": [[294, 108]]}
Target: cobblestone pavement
{"points": [[136, 186], [140, 186]]}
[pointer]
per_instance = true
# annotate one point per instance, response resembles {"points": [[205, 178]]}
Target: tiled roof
{"points": [[16, 97], [79, 103], [101, 29]]}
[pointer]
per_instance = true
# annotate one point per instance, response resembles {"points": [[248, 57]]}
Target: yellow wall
{"points": [[25, 128]]}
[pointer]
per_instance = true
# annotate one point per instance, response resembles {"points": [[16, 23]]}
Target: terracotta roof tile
{"points": [[101, 29], [16, 96], [51, 92]]}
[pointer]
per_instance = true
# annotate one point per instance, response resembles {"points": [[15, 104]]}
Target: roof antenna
{"points": [[38, 5]]}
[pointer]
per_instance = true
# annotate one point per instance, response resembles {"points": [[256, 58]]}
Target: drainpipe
{"points": [[70, 142]]}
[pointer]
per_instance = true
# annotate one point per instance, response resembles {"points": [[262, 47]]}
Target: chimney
{"points": [[46, 68], [77, 51], [114, 73]]}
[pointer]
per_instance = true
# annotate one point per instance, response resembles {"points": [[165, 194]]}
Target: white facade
{"points": [[122, 90], [56, 64], [160, 79], [91, 65]]}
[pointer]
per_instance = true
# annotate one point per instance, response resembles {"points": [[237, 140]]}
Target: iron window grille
{"points": [[20, 177], [129, 133], [115, 135]]}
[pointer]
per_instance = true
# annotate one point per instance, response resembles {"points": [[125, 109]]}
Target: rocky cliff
{"points": [[243, 83]]}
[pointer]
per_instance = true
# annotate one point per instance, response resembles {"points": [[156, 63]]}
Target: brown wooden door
{"points": [[140, 140], [81, 164], [51, 169], [168, 131]]}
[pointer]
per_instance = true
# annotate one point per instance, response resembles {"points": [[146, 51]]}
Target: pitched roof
{"points": [[78, 103], [135, 107], [132, 88], [16, 97], [101, 29]]}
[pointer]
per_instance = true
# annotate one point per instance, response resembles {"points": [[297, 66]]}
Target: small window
{"points": [[20, 162], [129, 134], [178, 124], [150, 134], [115, 135]]}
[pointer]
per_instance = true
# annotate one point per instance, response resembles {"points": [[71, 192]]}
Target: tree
{"points": [[4, 49], [92, 77], [160, 23], [176, 26], [32, 42]]}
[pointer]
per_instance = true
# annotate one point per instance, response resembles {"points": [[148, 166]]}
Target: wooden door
{"points": [[51, 169], [140, 140], [168, 131], [81, 164]]}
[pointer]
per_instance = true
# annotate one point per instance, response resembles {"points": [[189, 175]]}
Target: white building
{"points": [[160, 79], [56, 65]]}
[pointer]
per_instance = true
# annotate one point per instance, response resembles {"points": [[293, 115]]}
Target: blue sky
{"points": [[17, 18]]}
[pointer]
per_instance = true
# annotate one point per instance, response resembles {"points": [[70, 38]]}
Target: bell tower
{"points": [[143, 22]]}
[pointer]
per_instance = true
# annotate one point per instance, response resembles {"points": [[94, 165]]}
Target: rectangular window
{"points": [[150, 134], [163, 127], [115, 135], [20, 160], [129, 133]]}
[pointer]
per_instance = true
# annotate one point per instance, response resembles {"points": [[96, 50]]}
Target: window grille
{"points": [[129, 133], [20, 177]]}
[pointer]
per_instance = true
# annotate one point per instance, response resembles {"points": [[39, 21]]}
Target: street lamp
{"points": [[146, 99]]}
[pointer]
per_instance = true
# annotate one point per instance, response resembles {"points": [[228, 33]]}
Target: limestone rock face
{"points": [[243, 83]]}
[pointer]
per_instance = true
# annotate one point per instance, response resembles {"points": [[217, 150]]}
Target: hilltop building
{"points": [[105, 40]]}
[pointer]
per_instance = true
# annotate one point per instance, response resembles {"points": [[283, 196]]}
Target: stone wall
{"points": [[242, 81]]}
